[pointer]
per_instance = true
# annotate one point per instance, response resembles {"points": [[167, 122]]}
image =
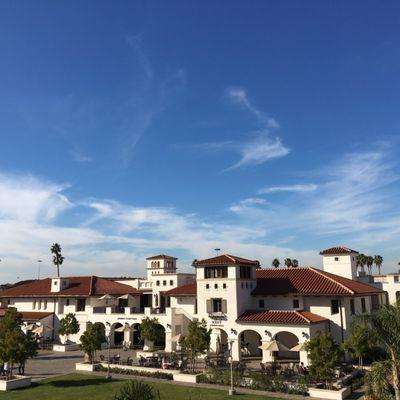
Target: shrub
{"points": [[137, 390], [123, 371]]}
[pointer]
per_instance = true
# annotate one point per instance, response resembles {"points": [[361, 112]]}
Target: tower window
{"points": [[296, 303], [336, 258], [261, 303], [334, 306]]}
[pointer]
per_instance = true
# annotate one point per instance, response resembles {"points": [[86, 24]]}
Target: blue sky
{"points": [[132, 128]]}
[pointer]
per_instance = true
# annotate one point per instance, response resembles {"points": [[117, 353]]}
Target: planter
{"points": [[17, 383], [86, 367], [65, 347], [186, 378], [330, 394]]}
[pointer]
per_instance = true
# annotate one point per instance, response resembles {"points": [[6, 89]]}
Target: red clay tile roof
{"points": [[29, 315], [281, 317], [338, 250], [308, 281], [184, 290], [161, 257], [225, 259], [78, 286]]}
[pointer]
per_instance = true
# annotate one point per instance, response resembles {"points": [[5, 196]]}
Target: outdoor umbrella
{"points": [[29, 327], [125, 328], [273, 345], [126, 297], [299, 347], [42, 329]]}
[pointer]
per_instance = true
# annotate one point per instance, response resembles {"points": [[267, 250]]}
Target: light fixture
{"points": [[268, 333], [169, 326], [233, 331], [305, 335]]}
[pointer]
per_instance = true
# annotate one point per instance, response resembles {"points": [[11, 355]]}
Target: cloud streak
{"points": [[308, 187]]}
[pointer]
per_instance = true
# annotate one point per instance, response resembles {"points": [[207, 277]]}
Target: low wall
{"points": [[17, 383], [65, 347], [330, 394], [86, 367], [144, 369], [188, 378]]}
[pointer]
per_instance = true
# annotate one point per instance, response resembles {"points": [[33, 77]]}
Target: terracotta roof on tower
{"points": [[307, 281], [338, 250], [184, 290], [281, 317], [225, 259], [161, 257], [78, 286]]}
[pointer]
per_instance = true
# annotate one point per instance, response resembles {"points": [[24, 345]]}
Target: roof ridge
{"points": [[322, 273], [299, 312]]}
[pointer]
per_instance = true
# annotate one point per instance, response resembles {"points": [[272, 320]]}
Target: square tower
{"points": [[340, 261]]}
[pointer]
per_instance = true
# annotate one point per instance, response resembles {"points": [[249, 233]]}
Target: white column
{"points": [[304, 358], [168, 341]]}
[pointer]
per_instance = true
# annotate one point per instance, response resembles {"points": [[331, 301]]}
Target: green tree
{"points": [[378, 260], [68, 326], [27, 348], [197, 341], [369, 260], [288, 262], [137, 390], [11, 336], [151, 330], [58, 259], [91, 341], [361, 341], [385, 324], [276, 263], [325, 356], [295, 263]]}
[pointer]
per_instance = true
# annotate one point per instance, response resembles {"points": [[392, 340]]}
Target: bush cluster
{"points": [[123, 371]]}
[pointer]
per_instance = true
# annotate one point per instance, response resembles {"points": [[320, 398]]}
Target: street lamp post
{"points": [[231, 390], [108, 334], [38, 273]]}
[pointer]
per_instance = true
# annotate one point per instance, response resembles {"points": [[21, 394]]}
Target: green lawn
{"points": [[82, 387]]}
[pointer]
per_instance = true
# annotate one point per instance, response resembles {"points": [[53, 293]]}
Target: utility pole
{"points": [[38, 274]]}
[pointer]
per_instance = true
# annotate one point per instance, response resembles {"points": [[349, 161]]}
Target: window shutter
{"points": [[224, 306], [209, 309]]}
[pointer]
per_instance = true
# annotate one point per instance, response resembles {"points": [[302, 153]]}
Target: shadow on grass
{"points": [[78, 383]]}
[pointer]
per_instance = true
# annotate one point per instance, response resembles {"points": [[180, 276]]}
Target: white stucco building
{"points": [[245, 305]]}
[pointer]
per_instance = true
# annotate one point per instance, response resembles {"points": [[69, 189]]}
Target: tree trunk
{"points": [[395, 374], [58, 271]]}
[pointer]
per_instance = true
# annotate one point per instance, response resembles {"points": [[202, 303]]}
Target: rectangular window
{"points": [[375, 302], [80, 305], [334, 306], [352, 307], [296, 303], [164, 283], [158, 283], [34, 304], [363, 305], [396, 278], [216, 272], [261, 303], [44, 304], [207, 286], [336, 258], [171, 283], [224, 285], [245, 272], [39, 304], [67, 302], [217, 305]]}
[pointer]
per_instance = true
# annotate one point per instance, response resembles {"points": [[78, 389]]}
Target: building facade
{"points": [[247, 307]]}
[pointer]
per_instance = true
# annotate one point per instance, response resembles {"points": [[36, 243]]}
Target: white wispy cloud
{"points": [[257, 147], [261, 149], [106, 237], [244, 204], [239, 96], [80, 157], [308, 187]]}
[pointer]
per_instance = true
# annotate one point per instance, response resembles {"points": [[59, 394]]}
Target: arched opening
{"points": [[160, 343], [289, 340], [118, 334], [137, 343], [219, 343], [250, 341]]}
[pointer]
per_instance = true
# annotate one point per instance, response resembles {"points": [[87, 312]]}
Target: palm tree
{"points": [[57, 257], [369, 260], [384, 325], [361, 261], [276, 263], [288, 262], [295, 263], [378, 260]]}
